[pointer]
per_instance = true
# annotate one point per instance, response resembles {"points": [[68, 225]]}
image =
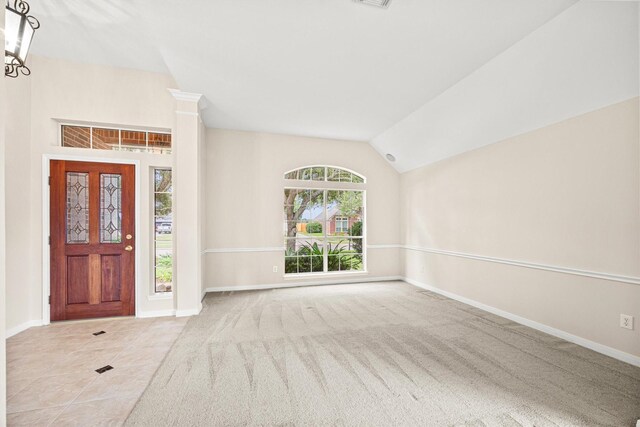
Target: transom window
{"points": [[324, 221], [106, 138], [325, 173]]}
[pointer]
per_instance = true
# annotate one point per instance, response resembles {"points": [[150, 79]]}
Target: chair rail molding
{"points": [[277, 249], [237, 250], [554, 268]]}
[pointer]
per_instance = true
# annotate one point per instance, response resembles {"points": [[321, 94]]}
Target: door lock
{"points": [[129, 237]]}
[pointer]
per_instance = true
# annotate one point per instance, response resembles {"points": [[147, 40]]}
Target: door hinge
{"points": [[49, 240], [49, 180], [49, 299]]}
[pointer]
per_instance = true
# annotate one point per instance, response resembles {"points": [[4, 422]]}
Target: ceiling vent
{"points": [[379, 3]]}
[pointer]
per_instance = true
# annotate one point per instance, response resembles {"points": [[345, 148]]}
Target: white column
{"points": [[188, 150]]}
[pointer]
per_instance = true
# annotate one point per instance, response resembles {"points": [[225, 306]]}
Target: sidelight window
{"points": [[163, 229]]}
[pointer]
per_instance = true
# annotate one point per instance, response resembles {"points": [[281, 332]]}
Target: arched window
{"points": [[325, 173], [324, 217]]}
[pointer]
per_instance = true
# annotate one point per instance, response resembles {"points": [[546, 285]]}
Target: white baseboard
{"points": [[23, 327], [190, 312], [298, 284], [600, 348], [156, 313]]}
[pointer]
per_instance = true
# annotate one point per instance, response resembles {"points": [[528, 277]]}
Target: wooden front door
{"points": [[92, 240]]}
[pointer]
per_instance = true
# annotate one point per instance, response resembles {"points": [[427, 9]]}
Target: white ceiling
{"points": [[584, 59], [338, 69]]}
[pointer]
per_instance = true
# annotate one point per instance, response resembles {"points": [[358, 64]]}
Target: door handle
{"points": [[128, 248]]}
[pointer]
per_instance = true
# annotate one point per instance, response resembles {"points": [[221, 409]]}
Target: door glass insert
{"points": [[77, 207], [110, 208]]}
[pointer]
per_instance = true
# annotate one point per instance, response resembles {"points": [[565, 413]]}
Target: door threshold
{"points": [[93, 319]]}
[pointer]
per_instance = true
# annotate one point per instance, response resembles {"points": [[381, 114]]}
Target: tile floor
{"points": [[51, 378]]}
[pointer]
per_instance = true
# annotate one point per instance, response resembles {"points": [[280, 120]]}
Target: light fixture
{"points": [[390, 157], [18, 33]]}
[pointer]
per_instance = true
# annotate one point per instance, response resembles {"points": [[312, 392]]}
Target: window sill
{"points": [[160, 296], [323, 274]]}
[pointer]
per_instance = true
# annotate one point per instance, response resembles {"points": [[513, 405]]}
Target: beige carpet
{"points": [[377, 354]]}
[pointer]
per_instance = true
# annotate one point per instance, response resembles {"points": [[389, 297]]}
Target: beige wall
{"points": [[244, 196], [64, 90], [3, 354], [18, 213], [567, 195]]}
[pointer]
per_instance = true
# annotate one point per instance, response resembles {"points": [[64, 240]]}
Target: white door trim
{"points": [[46, 226]]}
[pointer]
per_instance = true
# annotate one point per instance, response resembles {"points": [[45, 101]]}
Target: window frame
{"points": [[290, 184], [342, 220], [154, 241], [120, 129], [326, 170]]}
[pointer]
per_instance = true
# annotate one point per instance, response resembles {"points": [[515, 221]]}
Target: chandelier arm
{"points": [[21, 6], [35, 24]]}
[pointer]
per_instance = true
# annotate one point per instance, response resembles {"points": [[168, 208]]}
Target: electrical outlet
{"points": [[626, 321], [275, 268]]}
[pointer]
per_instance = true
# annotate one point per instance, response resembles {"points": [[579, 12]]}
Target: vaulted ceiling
{"points": [[423, 79]]}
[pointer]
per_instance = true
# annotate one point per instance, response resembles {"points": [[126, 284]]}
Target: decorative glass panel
{"points": [[77, 207], [110, 208]]}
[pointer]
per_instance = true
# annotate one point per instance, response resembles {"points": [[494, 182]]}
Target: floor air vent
{"points": [[99, 333], [104, 369], [379, 3]]}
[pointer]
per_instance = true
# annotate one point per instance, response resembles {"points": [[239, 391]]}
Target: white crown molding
{"points": [[600, 348], [556, 269], [189, 97]]}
